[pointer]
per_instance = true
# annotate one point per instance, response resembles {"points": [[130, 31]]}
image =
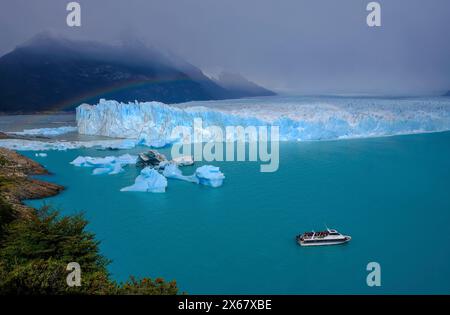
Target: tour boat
{"points": [[328, 237]]}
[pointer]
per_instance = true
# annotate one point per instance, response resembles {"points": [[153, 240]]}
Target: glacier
{"points": [[148, 181], [298, 119]]}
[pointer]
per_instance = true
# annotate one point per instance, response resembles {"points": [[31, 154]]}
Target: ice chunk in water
{"points": [[183, 160], [148, 181], [172, 171], [210, 175], [105, 165]]}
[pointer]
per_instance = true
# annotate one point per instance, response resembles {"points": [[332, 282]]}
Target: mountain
{"points": [[238, 86], [50, 73]]}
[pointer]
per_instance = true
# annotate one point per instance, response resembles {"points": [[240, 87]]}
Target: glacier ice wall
{"points": [[319, 119]]}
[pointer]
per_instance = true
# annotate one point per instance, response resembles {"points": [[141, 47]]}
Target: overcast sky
{"points": [[304, 46]]}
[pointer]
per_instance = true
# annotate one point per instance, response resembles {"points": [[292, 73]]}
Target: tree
{"points": [[6, 216], [35, 251]]}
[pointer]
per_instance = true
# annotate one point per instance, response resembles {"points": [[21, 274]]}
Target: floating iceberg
{"points": [[205, 175], [46, 132], [172, 171], [184, 160], [41, 154], [298, 118], [110, 165], [103, 170], [148, 181], [209, 175]]}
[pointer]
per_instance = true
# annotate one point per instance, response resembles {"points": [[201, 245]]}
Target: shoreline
{"points": [[16, 183]]}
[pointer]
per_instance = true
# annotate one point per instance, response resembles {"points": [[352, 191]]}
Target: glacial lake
{"points": [[390, 194]]}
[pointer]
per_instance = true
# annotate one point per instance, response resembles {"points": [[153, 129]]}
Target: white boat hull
{"points": [[326, 243]]}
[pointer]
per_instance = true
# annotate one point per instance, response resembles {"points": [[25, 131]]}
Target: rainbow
{"points": [[68, 104]]}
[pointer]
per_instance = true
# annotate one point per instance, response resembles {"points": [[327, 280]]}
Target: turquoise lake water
{"points": [[392, 195]]}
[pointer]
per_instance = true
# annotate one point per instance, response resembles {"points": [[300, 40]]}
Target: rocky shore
{"points": [[17, 185]]}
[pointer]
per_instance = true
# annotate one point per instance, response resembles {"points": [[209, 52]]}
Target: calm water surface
{"points": [[390, 194]]}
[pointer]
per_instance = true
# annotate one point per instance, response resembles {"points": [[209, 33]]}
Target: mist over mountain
{"points": [[240, 86], [50, 73]]}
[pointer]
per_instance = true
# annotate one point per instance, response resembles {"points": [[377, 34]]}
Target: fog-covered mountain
{"points": [[240, 86], [49, 73]]}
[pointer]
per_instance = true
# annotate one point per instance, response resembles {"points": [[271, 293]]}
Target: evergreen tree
{"points": [[35, 251]]}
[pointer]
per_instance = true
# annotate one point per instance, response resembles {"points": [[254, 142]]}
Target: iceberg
{"points": [[46, 132], [101, 170], [148, 181], [209, 175], [41, 155], [171, 170], [184, 160], [298, 118], [205, 175], [110, 165], [88, 161], [150, 178]]}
